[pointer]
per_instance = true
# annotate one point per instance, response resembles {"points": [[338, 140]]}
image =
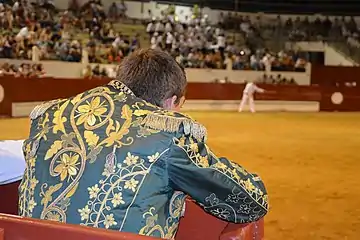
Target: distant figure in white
{"points": [[248, 96]]}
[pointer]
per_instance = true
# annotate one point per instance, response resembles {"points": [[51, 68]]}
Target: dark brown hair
{"points": [[153, 75]]}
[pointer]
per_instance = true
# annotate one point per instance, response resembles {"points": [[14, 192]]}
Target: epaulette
{"points": [[172, 123], [41, 109]]}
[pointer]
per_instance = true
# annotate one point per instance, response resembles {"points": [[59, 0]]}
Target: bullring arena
{"points": [[308, 159], [309, 162], [303, 140]]}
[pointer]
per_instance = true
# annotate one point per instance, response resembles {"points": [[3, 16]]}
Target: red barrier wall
{"points": [[16, 228], [332, 75], [335, 91], [42, 89]]}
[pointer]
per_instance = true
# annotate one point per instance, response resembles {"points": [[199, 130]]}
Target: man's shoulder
{"points": [[99, 91], [40, 109], [173, 122]]}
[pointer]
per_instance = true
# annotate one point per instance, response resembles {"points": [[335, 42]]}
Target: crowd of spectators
{"points": [[335, 30], [279, 79], [197, 44], [23, 70], [98, 71], [39, 31]]}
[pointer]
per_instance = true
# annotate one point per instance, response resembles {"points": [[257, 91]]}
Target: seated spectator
{"points": [[87, 72]]}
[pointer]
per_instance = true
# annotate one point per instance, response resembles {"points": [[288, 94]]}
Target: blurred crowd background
{"points": [[89, 32]]}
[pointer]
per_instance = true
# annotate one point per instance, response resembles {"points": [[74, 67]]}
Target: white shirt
{"points": [[190, 43], [175, 44], [179, 28], [154, 46], [168, 27], [153, 40], [250, 88], [244, 27], [150, 27], [24, 32], [169, 38], [16, 6], [253, 59], [217, 31], [12, 161], [221, 41], [116, 42], [111, 73], [159, 27], [159, 39]]}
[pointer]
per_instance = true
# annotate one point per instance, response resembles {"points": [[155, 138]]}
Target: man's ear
{"points": [[169, 104]]}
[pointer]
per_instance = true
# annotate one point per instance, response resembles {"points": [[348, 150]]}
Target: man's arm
{"points": [[221, 187], [259, 90]]}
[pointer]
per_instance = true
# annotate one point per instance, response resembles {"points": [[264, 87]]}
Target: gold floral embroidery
{"points": [[29, 182], [131, 159], [32, 162], [47, 196], [76, 99], [91, 111], [248, 185], [67, 166], [58, 119], [232, 171], [84, 213], [93, 191], [203, 161], [54, 148], [181, 141], [117, 200], [33, 183], [91, 138], [168, 231], [131, 184], [109, 221], [31, 204], [76, 124], [153, 157], [107, 194], [53, 217]]}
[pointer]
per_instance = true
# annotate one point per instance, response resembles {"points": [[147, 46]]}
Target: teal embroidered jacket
{"points": [[108, 159]]}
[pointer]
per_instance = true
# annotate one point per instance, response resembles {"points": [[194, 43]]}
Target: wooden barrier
{"points": [[230, 91], [331, 97], [17, 90], [340, 87], [195, 225], [17, 228]]}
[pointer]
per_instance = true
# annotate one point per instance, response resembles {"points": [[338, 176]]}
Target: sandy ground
{"points": [[309, 162]]}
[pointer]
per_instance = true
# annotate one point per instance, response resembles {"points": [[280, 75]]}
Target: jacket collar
{"points": [[121, 87]]}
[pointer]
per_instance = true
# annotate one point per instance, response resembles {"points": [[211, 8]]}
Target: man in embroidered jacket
{"points": [[117, 157]]}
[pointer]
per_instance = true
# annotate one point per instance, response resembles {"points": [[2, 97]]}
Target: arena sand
{"points": [[310, 164]]}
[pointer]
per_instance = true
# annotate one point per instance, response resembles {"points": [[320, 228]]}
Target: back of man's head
{"points": [[153, 75]]}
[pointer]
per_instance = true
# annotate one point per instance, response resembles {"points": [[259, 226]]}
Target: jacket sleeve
{"points": [[221, 187]]}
